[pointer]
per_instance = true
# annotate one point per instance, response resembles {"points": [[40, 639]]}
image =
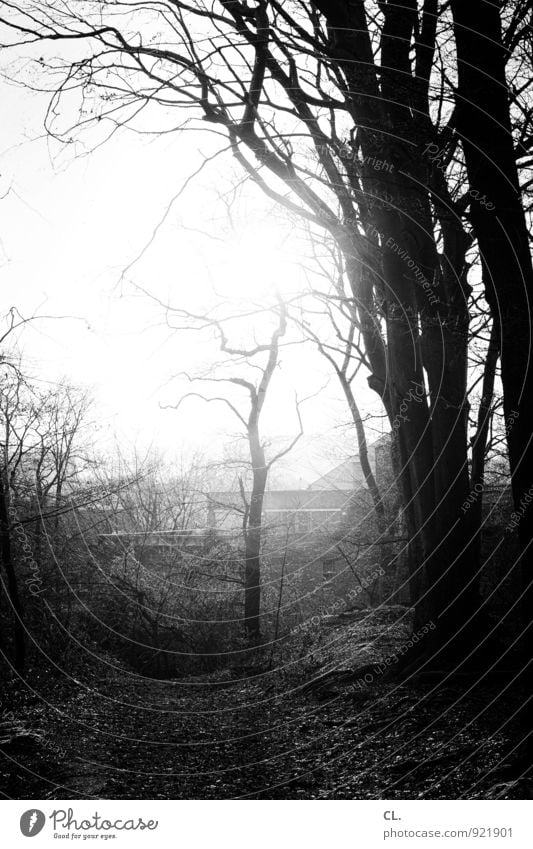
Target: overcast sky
{"points": [[72, 225]]}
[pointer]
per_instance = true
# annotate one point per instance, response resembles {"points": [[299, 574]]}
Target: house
{"points": [[330, 508], [322, 539], [332, 502], [295, 511]]}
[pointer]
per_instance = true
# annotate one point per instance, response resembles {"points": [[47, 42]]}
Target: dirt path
{"points": [[256, 738]]}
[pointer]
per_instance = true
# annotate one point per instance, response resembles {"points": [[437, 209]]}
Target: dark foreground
{"points": [[247, 733]]}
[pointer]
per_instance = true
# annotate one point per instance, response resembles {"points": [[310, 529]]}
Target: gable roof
{"points": [[348, 475]]}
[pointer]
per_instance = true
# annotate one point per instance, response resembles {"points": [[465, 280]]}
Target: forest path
{"points": [[256, 737]]}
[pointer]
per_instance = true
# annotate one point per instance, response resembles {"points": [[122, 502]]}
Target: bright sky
{"points": [[72, 225]]}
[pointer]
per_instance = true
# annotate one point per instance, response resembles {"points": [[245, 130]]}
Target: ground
{"points": [[310, 730]]}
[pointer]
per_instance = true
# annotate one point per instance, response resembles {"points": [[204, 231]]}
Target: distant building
{"points": [[299, 511], [336, 499], [324, 536]]}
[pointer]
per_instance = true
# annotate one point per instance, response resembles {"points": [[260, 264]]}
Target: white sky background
{"points": [[70, 226]]}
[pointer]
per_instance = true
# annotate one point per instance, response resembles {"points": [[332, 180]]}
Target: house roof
{"points": [[331, 491], [348, 475]]}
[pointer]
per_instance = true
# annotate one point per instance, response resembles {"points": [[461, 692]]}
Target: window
{"points": [[329, 568]]}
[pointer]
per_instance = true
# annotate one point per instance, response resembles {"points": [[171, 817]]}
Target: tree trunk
{"points": [[484, 126], [252, 572], [426, 319], [370, 480], [6, 552]]}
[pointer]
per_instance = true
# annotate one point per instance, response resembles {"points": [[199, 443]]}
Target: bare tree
{"points": [[39, 436], [18, 417], [259, 465]]}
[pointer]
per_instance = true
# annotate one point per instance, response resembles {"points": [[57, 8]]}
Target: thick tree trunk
{"points": [[425, 315], [484, 126]]}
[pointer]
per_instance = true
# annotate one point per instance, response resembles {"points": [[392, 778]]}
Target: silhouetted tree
{"points": [[259, 465]]}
